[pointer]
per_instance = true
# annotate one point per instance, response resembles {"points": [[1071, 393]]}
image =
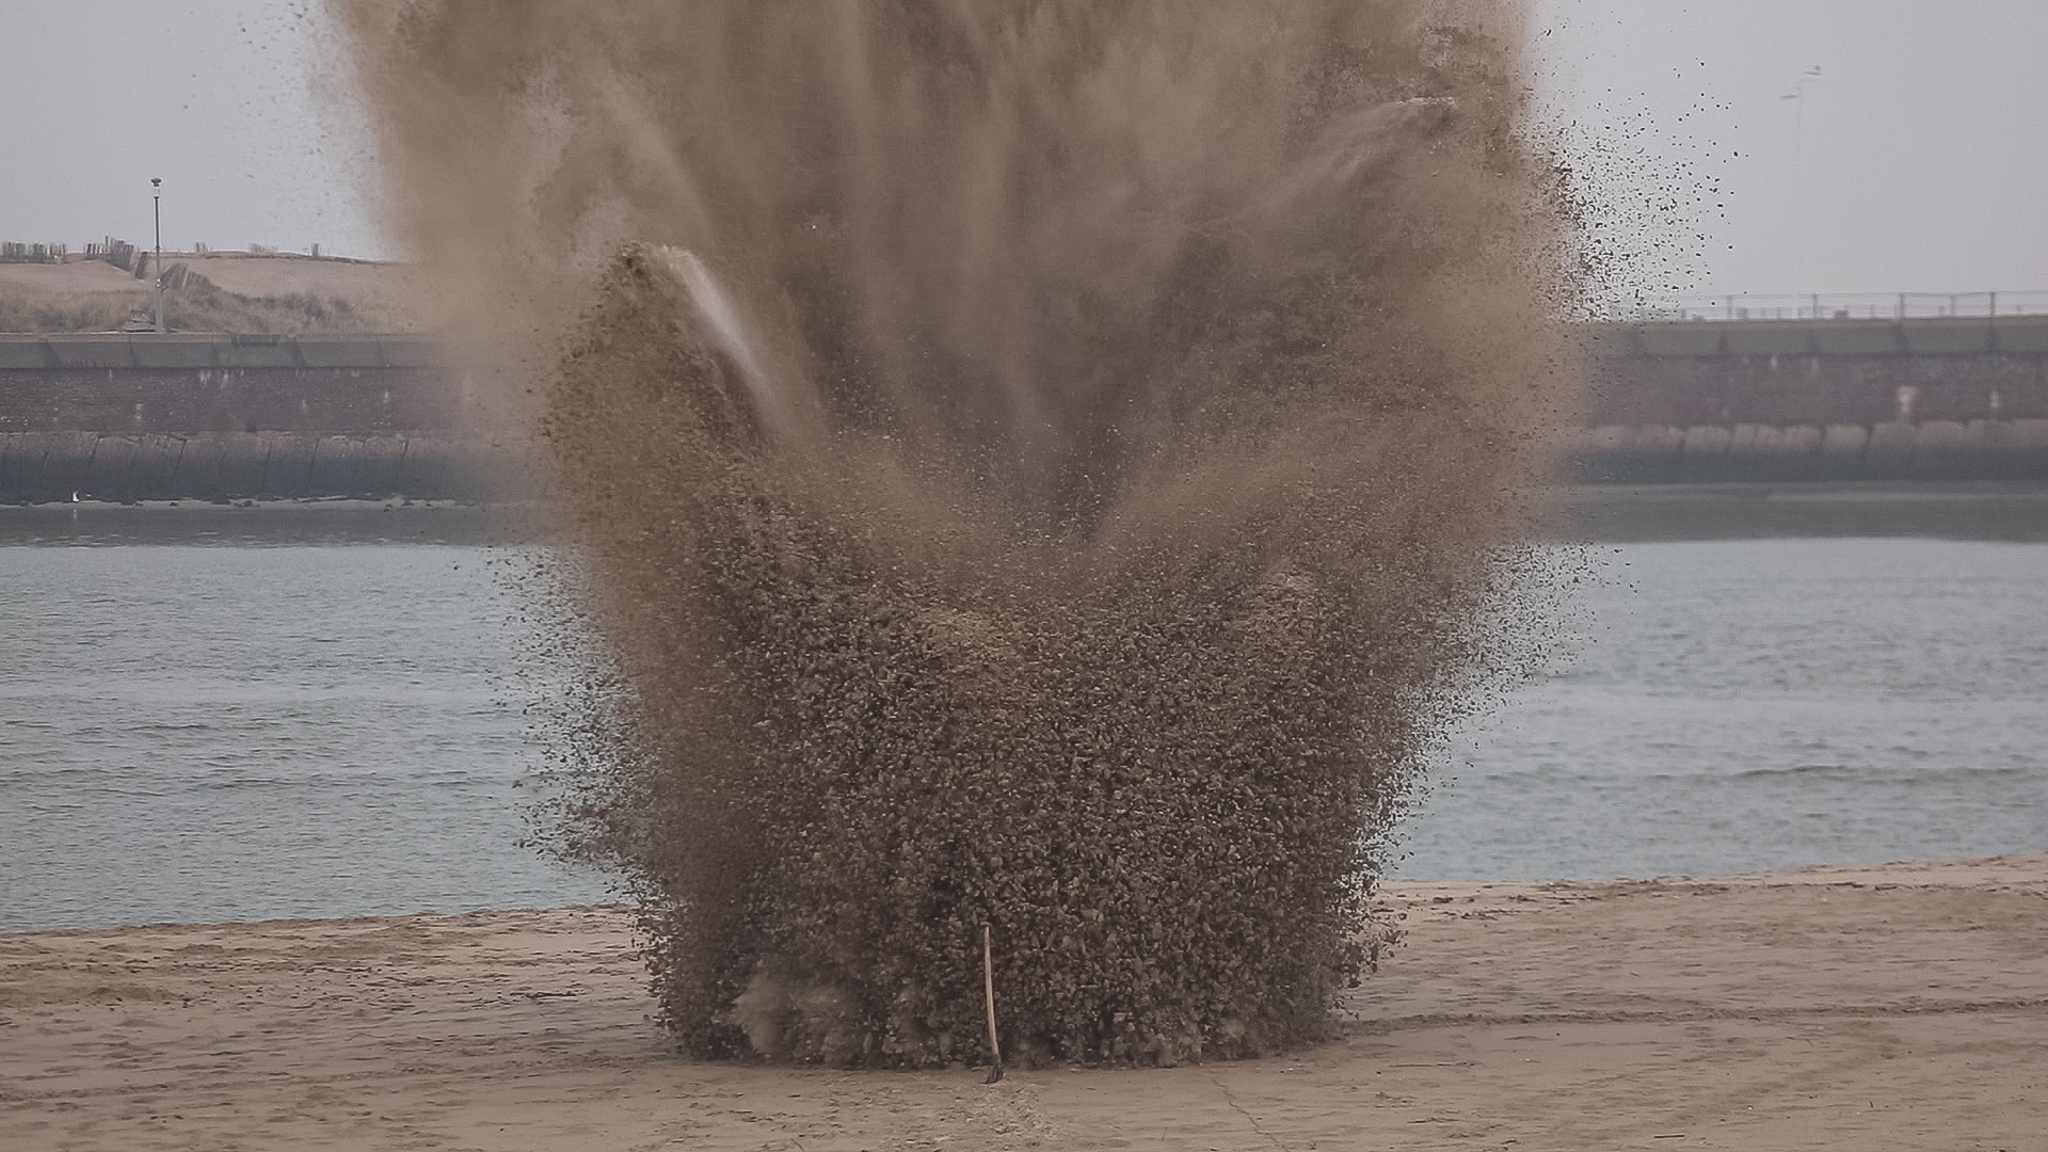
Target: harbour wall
{"points": [[186, 384], [1921, 399], [147, 416], [1815, 373], [2014, 451], [177, 416], [224, 467]]}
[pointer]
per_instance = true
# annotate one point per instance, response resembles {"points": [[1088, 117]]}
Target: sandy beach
{"points": [[1891, 1007]]}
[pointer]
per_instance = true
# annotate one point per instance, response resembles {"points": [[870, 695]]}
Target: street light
{"points": [[1806, 249], [157, 183]]}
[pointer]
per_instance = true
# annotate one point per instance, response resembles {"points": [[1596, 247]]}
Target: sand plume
{"points": [[1038, 465]]}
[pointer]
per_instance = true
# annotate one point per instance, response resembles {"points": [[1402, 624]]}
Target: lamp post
{"points": [[1802, 175], [157, 183]]}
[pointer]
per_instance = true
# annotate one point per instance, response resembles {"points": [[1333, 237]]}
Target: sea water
{"points": [[243, 730], [1722, 706], [234, 733]]}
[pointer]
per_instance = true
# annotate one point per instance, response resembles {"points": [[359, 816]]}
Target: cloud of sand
{"points": [[1038, 465]]}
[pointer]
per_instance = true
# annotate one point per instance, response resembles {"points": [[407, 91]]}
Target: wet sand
{"points": [[1892, 1007]]}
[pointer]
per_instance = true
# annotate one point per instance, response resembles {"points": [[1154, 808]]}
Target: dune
{"points": [[239, 272], [1898, 1006]]}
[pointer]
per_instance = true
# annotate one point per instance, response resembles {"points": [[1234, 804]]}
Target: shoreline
{"points": [[1901, 1005], [1951, 870]]}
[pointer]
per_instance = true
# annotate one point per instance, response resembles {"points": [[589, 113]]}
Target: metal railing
{"points": [[1841, 306]]}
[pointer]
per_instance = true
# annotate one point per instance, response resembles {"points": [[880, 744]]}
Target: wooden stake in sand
{"points": [[988, 983]]}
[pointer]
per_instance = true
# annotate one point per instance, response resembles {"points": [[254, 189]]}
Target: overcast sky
{"points": [[1914, 159], [217, 97]]}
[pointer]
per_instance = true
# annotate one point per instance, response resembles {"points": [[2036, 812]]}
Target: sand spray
{"points": [[1041, 475]]}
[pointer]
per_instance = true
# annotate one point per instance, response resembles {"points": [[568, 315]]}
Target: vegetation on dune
{"points": [[198, 308]]}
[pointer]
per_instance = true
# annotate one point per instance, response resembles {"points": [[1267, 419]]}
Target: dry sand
{"points": [[1902, 1006]]}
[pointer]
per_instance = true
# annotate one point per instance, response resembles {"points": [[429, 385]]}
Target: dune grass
{"points": [[199, 308]]}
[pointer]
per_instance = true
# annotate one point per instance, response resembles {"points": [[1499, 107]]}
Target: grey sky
{"points": [[1915, 161], [215, 96]]}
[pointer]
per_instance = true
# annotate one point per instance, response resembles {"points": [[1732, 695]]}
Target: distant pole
{"points": [[1803, 172], [157, 183]]}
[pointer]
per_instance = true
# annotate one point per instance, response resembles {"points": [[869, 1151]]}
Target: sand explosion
{"points": [[1035, 466]]}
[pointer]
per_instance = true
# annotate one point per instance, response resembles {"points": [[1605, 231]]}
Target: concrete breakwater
{"points": [[39, 467], [187, 383], [1933, 450], [1919, 399], [197, 416], [1816, 373], [226, 417]]}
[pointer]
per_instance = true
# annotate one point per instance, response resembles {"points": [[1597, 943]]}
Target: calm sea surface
{"points": [[246, 729], [1739, 705]]}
